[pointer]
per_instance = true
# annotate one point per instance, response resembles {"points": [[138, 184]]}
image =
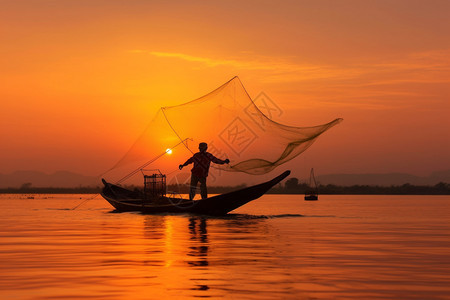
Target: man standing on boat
{"points": [[201, 161]]}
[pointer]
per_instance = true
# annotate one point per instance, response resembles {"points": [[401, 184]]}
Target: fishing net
{"points": [[232, 125]]}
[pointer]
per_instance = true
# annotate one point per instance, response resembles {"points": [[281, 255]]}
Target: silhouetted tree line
{"points": [[291, 186], [28, 189]]}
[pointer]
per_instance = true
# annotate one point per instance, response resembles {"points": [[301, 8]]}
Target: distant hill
{"points": [[63, 179], [441, 176], [387, 179]]}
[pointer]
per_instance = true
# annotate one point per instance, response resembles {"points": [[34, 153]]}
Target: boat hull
{"points": [[124, 200]]}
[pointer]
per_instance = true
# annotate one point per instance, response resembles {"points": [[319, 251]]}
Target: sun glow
{"points": [[169, 151]]}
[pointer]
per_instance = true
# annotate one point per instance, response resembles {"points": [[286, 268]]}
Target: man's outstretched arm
{"points": [[218, 160], [189, 161]]}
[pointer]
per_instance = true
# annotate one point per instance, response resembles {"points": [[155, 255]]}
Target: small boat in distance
{"points": [[155, 199], [312, 193]]}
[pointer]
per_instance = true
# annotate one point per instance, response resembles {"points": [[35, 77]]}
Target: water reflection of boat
{"points": [[312, 193], [158, 202]]}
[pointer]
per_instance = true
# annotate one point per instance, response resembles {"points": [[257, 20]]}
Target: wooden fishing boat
{"points": [[312, 193], [155, 200]]}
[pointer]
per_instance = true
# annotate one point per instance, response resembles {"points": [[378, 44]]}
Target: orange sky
{"points": [[80, 80]]}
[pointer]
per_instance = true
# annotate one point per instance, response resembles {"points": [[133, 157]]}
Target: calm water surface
{"points": [[277, 247]]}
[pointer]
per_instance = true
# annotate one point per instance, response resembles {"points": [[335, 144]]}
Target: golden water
{"points": [[277, 247]]}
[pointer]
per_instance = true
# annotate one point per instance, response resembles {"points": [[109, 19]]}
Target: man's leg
{"points": [[194, 181], [203, 189]]}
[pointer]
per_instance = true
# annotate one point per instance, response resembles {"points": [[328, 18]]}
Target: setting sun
{"points": [[169, 151]]}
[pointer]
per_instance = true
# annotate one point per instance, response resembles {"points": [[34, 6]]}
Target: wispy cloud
{"points": [[210, 62], [371, 85], [271, 65], [416, 67], [268, 64]]}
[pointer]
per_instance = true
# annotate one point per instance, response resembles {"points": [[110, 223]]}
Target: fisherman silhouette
{"points": [[201, 161]]}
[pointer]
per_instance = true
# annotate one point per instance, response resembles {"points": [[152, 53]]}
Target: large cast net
{"points": [[232, 125]]}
